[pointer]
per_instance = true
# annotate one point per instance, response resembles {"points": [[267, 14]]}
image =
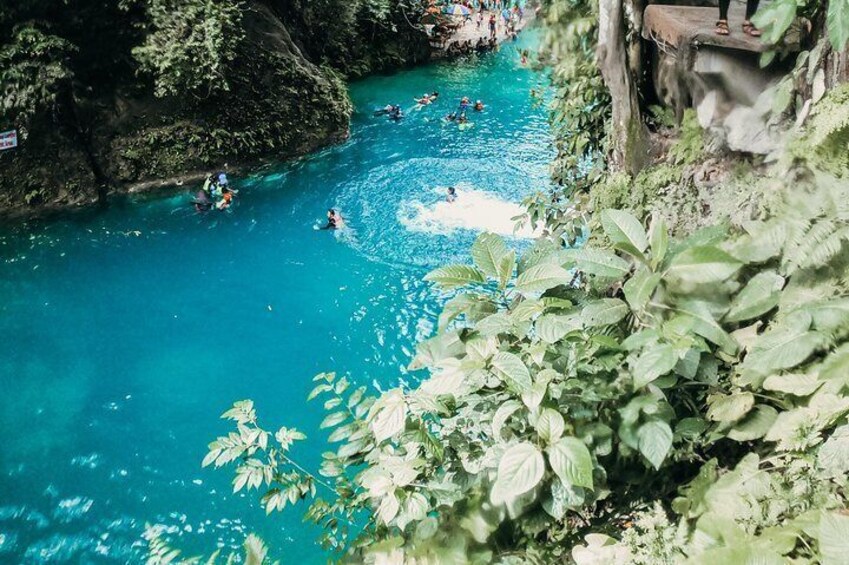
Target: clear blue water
{"points": [[125, 333]]}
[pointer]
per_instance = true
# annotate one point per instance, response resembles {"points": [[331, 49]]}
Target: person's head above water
{"points": [[331, 212], [435, 94], [451, 190]]}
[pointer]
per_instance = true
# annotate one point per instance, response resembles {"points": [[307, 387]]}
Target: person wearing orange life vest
{"points": [[226, 199]]}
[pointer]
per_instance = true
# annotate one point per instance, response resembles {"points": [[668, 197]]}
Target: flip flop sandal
{"points": [[722, 27], [750, 29]]}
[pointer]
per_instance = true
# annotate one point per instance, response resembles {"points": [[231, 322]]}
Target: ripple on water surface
{"points": [[127, 332]]}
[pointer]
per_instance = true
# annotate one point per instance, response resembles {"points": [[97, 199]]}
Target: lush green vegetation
{"points": [[183, 47], [646, 398], [149, 89]]}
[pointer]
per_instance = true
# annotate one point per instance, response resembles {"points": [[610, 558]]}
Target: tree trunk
{"points": [[70, 118], [620, 62]]}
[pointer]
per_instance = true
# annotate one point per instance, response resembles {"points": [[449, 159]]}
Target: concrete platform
{"points": [[676, 26]]}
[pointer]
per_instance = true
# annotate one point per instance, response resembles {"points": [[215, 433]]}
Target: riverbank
{"points": [[471, 33], [283, 99]]}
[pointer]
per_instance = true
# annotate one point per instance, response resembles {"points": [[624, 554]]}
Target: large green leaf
{"points": [[487, 252], [759, 296], [703, 264], [829, 315], [551, 328], [491, 256], [495, 324], [640, 287], [550, 425], [604, 312], [659, 240], [785, 346], [837, 21], [519, 470], [540, 278], [512, 370], [658, 359], [705, 325], [833, 456], [571, 461], [775, 18], [390, 414], [654, 441], [453, 276], [625, 231], [729, 407], [834, 538], [797, 384], [505, 268], [501, 415], [599, 262], [755, 425]]}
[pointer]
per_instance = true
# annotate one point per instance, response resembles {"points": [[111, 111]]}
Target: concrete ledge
{"points": [[676, 26]]}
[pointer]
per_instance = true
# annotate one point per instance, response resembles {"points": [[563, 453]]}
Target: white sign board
{"points": [[8, 139]]}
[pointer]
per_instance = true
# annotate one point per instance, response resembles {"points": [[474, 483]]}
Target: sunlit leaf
{"points": [[571, 461]]}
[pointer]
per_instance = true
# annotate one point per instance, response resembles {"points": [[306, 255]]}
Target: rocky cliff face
{"points": [[280, 105]]}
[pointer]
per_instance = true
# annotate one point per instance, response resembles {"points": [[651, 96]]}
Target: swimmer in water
{"points": [[452, 195], [334, 220], [427, 98], [226, 199], [478, 106]]}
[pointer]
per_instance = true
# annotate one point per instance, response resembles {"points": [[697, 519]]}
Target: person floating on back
{"points": [[748, 27], [427, 98]]}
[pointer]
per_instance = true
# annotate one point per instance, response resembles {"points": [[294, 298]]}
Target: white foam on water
{"points": [[474, 209]]}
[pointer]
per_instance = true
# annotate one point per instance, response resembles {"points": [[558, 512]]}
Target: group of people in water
{"points": [[215, 194], [459, 116]]}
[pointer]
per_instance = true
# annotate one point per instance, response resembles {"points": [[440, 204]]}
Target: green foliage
{"points": [[560, 409], [581, 105], [777, 17], [357, 37], [254, 552], [190, 45], [33, 70], [690, 144], [825, 143]]}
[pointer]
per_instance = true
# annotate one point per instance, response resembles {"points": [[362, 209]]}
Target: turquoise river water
{"points": [[125, 333]]}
